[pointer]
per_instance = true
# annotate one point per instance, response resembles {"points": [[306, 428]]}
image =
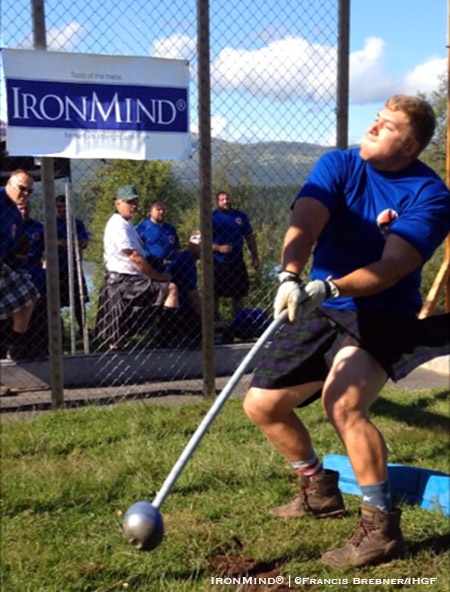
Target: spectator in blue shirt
{"points": [[186, 332], [30, 247], [30, 258], [160, 238], [81, 237], [230, 228], [34, 232], [18, 294]]}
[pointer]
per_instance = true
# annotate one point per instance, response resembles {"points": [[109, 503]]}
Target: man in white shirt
{"points": [[132, 290]]}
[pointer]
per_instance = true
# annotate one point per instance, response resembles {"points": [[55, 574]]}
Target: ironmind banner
{"points": [[92, 106]]}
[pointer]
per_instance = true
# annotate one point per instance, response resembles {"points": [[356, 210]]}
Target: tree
{"points": [[435, 154], [152, 179]]}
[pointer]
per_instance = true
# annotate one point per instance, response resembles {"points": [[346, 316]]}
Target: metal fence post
{"points": [[51, 254], [204, 111]]}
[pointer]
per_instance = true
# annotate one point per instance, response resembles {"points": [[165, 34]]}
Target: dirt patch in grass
{"points": [[235, 566]]}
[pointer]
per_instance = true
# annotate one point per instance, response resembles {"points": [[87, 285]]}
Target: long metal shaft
{"points": [[214, 410]]}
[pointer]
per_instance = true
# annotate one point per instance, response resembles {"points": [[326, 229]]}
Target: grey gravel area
{"points": [[23, 403]]}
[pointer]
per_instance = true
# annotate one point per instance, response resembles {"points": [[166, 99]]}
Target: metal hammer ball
{"points": [[143, 526]]}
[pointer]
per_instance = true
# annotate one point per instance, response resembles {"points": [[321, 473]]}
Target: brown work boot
{"points": [[319, 497], [377, 539]]}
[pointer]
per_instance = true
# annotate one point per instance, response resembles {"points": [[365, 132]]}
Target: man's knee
{"points": [[266, 405], [171, 300], [343, 409], [255, 404]]}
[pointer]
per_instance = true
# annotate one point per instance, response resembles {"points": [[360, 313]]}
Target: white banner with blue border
{"points": [[94, 106]]}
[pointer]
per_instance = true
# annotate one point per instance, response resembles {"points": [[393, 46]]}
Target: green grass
{"points": [[68, 476]]}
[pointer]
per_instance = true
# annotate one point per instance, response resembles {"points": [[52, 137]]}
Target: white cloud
{"points": [[371, 83], [219, 126], [283, 70], [292, 69], [175, 47], [66, 38], [424, 77]]}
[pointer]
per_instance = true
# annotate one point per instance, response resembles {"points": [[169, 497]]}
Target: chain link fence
{"points": [[273, 87]]}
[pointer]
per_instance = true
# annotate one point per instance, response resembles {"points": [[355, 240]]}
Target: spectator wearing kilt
{"points": [[370, 217], [132, 290], [230, 228], [18, 294]]}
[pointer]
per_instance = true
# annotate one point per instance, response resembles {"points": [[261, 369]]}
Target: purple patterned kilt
{"points": [[304, 351], [16, 291]]}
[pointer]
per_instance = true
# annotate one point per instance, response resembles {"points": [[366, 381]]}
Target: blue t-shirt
{"points": [[229, 228], [366, 205], [61, 232], [184, 274], [160, 240], [34, 231], [10, 223]]}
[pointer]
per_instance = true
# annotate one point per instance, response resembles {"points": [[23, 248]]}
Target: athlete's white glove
{"points": [[288, 295], [292, 295], [316, 292]]}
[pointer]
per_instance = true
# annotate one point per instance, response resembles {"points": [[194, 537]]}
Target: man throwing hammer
{"points": [[373, 216]]}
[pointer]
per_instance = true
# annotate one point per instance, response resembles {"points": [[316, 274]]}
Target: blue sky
{"points": [[407, 57], [396, 46]]}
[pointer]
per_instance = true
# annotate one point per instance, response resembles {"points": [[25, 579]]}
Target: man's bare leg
{"points": [[21, 318], [272, 411], [351, 387]]}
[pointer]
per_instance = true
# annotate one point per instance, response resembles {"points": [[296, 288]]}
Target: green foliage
{"points": [[429, 273], [153, 180], [68, 476], [435, 154]]}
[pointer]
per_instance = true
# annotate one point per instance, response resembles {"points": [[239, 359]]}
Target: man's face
{"points": [[158, 213], [61, 210], [24, 210], [19, 188], [388, 143], [127, 209], [223, 202]]}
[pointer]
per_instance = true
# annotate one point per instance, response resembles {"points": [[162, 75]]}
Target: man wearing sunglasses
{"points": [[19, 187], [17, 292]]}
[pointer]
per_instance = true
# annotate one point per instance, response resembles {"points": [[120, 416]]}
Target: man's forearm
{"points": [[141, 265], [397, 261], [296, 251], [252, 246]]}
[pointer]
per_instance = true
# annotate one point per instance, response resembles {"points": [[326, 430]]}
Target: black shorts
{"points": [[304, 351], [230, 279]]}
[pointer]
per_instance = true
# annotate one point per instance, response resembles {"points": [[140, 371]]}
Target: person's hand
{"points": [[255, 263], [224, 249], [288, 295], [314, 293], [164, 276]]}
